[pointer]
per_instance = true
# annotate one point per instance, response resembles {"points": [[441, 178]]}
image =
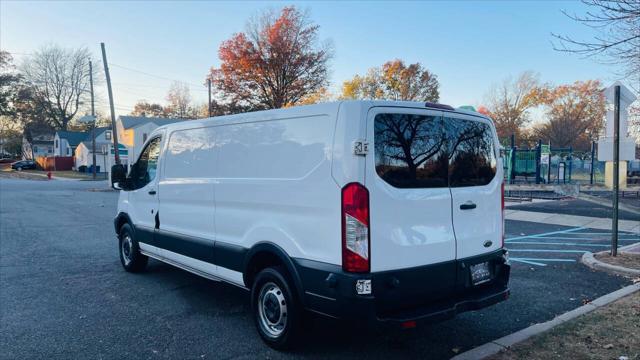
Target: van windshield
{"points": [[423, 151]]}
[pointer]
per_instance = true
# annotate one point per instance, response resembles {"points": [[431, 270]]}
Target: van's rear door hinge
{"points": [[360, 147]]}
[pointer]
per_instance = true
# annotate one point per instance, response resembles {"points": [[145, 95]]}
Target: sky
{"points": [[469, 45]]}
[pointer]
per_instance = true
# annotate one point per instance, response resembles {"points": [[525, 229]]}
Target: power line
{"points": [[197, 87]]}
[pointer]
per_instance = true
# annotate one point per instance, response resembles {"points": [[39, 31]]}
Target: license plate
{"points": [[480, 273]]}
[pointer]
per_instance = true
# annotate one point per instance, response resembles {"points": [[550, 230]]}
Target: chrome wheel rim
{"points": [[126, 248], [272, 310]]}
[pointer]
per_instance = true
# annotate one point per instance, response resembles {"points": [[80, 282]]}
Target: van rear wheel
{"points": [[276, 309], [130, 257]]}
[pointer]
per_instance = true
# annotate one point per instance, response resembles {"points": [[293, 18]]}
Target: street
{"points": [[64, 294]]}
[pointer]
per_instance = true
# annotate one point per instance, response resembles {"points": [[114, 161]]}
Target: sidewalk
{"points": [[571, 220]]}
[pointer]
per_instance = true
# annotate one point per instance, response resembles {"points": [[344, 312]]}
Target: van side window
{"points": [[145, 168], [411, 150], [472, 153]]}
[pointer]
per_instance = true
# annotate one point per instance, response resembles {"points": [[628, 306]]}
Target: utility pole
{"points": [[93, 115], [209, 86], [616, 169], [116, 149]]}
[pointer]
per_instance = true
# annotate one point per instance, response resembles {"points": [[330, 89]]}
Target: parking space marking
{"points": [[563, 246], [557, 243], [527, 262], [591, 239], [547, 233], [545, 250]]}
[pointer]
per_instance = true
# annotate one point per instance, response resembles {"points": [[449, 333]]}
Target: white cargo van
{"points": [[369, 211]]}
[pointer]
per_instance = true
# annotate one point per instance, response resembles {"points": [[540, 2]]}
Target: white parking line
{"points": [[556, 243], [545, 250]]}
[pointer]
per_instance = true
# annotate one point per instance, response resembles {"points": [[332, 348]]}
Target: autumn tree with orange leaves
{"points": [[277, 62], [394, 81], [575, 114]]}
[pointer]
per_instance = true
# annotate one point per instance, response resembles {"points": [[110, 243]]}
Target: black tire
{"points": [[130, 257], [271, 286]]}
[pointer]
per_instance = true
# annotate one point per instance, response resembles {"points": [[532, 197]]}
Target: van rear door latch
{"points": [[360, 147]]}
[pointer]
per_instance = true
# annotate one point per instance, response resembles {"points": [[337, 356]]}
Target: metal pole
{"points": [[209, 86], [570, 161], [93, 114], [593, 161], [114, 130], [538, 158], [513, 158], [549, 167], [616, 170]]}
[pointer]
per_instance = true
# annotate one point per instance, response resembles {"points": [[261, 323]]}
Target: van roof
{"points": [[314, 109]]}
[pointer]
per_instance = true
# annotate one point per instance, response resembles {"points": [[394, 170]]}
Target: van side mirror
{"points": [[118, 177]]}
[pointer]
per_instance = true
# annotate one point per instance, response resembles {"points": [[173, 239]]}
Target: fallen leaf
{"points": [[607, 346], [455, 350]]}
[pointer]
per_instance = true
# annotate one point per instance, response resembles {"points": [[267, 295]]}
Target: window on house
{"points": [[144, 138], [107, 135], [68, 151], [35, 148], [56, 143], [49, 149]]}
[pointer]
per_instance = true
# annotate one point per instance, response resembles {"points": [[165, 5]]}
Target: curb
{"points": [[493, 347], [589, 260]]}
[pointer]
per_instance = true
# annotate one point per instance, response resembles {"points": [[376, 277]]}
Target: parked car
{"points": [[382, 213], [24, 165]]}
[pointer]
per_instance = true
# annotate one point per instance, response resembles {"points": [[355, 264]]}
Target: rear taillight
{"points": [[355, 228], [502, 195]]}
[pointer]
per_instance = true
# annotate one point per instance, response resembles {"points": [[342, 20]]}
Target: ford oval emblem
{"points": [[488, 243]]}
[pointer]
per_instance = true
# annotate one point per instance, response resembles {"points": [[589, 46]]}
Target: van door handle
{"points": [[152, 192], [467, 206]]}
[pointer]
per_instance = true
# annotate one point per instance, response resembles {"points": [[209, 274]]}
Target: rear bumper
{"points": [[422, 294]]}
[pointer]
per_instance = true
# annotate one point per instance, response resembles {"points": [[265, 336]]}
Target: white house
{"points": [[65, 142], [104, 155], [40, 145], [134, 130]]}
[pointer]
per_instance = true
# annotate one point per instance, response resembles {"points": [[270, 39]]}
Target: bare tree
{"points": [[508, 103], [618, 39], [60, 77], [179, 98]]}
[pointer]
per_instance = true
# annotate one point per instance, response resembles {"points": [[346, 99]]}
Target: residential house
{"points": [[133, 131], [104, 155], [65, 142], [40, 145]]}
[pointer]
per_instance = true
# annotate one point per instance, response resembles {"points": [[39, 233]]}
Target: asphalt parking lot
{"points": [[64, 295]]}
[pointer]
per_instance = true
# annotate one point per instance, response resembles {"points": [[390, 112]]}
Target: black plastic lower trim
{"points": [[230, 256], [425, 293], [191, 246]]}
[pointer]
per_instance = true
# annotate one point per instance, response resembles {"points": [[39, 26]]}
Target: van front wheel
{"points": [[130, 257], [276, 309]]}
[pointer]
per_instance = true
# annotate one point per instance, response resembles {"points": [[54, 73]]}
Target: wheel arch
{"points": [[265, 254], [121, 219]]}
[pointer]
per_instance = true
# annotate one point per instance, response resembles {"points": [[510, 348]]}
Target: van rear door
{"points": [[410, 202], [475, 180]]}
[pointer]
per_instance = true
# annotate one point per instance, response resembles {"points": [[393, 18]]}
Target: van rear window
{"points": [[411, 150], [472, 153], [421, 151]]}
